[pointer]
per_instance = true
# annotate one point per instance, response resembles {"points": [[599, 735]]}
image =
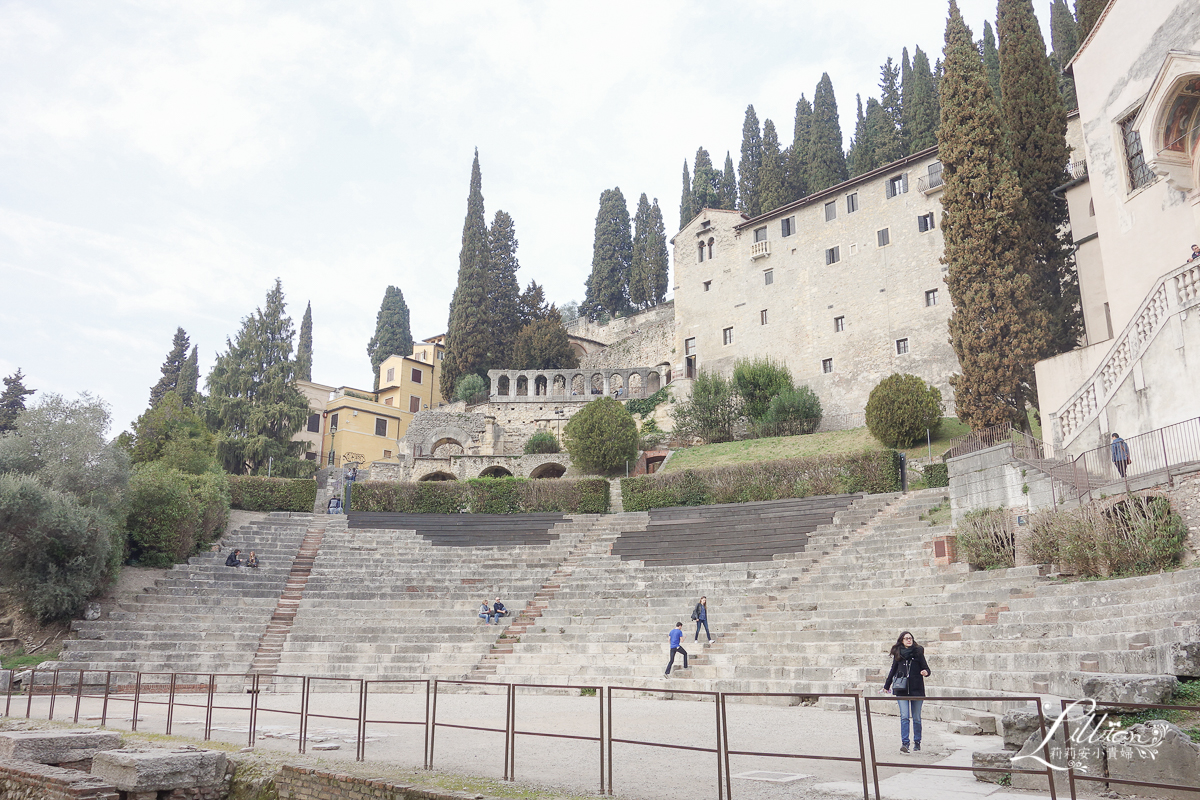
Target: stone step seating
{"points": [[391, 603], [203, 616], [723, 533], [465, 530]]}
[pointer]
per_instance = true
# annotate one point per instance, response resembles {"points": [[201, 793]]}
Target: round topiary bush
{"points": [[901, 408], [541, 442], [601, 437]]}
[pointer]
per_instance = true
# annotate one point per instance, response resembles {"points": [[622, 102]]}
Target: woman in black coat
{"points": [[908, 663]]}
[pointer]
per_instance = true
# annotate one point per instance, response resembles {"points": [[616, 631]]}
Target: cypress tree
{"points": [[503, 290], [798, 153], [12, 401], [729, 192], [1064, 36], [879, 128], [826, 161], [750, 166], [772, 189], [171, 366], [253, 403], [1088, 13], [921, 110], [612, 250], [887, 143], [467, 336], [861, 157], [706, 182], [687, 206], [991, 60], [189, 379], [533, 304], [304, 347], [994, 328], [656, 256], [906, 88], [393, 334], [1035, 121], [639, 265], [544, 344]]}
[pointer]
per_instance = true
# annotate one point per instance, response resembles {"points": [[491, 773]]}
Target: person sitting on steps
{"points": [[252, 561], [498, 609], [485, 613], [234, 559]]}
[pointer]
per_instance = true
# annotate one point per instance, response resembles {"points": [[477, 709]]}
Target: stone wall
{"points": [[1185, 499], [26, 780], [302, 783], [617, 329], [991, 478], [651, 342]]}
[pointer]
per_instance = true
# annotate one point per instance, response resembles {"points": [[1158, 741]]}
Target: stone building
{"points": [[843, 286]]}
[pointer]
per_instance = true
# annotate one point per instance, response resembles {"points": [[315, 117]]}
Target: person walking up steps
{"points": [[906, 680], [700, 617], [676, 647]]}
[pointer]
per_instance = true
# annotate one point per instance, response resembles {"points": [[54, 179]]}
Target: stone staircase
{"points": [[270, 647]]}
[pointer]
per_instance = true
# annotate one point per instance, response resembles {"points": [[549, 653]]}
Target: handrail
{"points": [[979, 440]]}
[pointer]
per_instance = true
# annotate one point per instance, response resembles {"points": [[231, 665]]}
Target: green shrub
{"points": [[258, 493], [711, 412], [163, 516], [799, 408], [601, 437], [1137, 535], [645, 407], [901, 408], [494, 495], [872, 471], [651, 436], [936, 475], [758, 382], [484, 496], [541, 442], [985, 538], [469, 387]]}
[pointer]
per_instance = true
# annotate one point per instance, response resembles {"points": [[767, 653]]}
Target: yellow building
{"points": [[359, 426]]}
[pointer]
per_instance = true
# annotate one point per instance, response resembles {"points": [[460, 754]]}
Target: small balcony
{"points": [[760, 250], [928, 184], [1078, 169]]}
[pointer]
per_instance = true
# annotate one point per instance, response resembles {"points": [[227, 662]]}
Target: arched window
{"points": [[710, 244], [701, 258]]}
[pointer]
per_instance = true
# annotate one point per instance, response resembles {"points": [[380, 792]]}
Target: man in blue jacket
{"points": [[676, 639]]}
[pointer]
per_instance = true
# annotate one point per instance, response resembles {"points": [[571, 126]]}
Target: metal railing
{"points": [[932, 181], [132, 687], [979, 440]]}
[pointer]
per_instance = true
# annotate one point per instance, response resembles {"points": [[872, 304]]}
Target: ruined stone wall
{"points": [[26, 780], [650, 343], [616, 329], [302, 783]]}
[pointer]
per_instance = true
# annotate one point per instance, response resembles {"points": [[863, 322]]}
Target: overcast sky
{"points": [[161, 163]]}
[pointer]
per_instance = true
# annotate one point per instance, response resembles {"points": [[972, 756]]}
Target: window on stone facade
{"points": [[388, 402], [689, 347], [931, 297], [391, 374], [380, 426], [833, 255], [883, 237], [727, 336], [414, 404], [925, 222], [853, 249], [852, 203], [310, 455], [901, 346], [1135, 160], [387, 453], [762, 317], [787, 226], [839, 324], [314, 423], [827, 365], [700, 258], [760, 234], [768, 277], [416, 376], [710, 244], [441, 355], [831, 210], [707, 285], [333, 422], [897, 184]]}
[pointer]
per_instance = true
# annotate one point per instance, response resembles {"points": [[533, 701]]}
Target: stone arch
{"points": [[502, 386], [637, 385], [541, 386], [579, 350], [578, 385], [496, 471], [548, 470], [446, 447], [522, 386], [438, 475], [559, 386], [1169, 122], [616, 386], [653, 382], [444, 436], [596, 386]]}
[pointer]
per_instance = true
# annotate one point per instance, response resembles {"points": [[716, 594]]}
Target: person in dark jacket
{"points": [[234, 560], [908, 662], [1120, 454], [700, 617]]}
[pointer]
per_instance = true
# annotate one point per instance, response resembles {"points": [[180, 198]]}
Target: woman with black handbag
{"points": [[906, 680]]}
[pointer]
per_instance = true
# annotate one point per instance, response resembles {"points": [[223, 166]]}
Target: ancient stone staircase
{"points": [[270, 647]]}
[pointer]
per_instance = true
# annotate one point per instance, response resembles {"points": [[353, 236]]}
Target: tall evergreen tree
{"points": [[639, 264], [304, 347], [862, 158], [12, 401], [826, 160], [687, 205], [1035, 121], [467, 336], [393, 332], [906, 88], [887, 144], [771, 177], [503, 290], [991, 60], [189, 379], [996, 323], [921, 108], [612, 250], [253, 403], [706, 182], [1088, 13], [750, 165], [879, 129], [171, 366], [729, 189], [544, 344], [798, 153], [533, 305], [656, 257], [1064, 36]]}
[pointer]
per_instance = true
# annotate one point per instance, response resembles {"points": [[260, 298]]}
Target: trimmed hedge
{"points": [[936, 475], [870, 472], [483, 496], [256, 493]]}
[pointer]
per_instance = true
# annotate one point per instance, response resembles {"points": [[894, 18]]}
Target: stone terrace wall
{"points": [[301, 783], [25, 780], [649, 343], [618, 329]]}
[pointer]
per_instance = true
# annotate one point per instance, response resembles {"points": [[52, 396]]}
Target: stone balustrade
{"points": [[573, 385]]}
